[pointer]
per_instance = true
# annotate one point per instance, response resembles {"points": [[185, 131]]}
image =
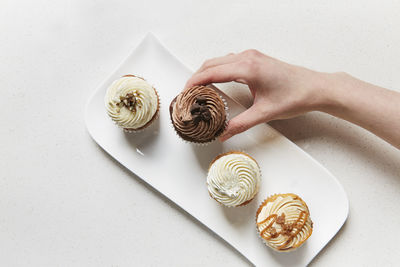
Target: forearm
{"points": [[371, 107], [283, 91]]}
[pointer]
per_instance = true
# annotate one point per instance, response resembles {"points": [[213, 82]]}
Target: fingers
{"points": [[243, 122], [242, 60], [230, 58], [218, 74]]}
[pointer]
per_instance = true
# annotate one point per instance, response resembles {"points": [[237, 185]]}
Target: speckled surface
{"points": [[56, 183]]}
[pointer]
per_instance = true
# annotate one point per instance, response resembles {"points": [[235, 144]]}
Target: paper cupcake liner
{"points": [[203, 144], [259, 185], [244, 204], [259, 233], [152, 120]]}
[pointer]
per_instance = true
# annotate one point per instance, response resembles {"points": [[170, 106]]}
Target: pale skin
{"points": [[281, 91]]}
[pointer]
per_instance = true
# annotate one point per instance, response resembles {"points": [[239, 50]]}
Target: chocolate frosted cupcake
{"points": [[198, 114], [283, 222], [233, 179], [132, 103]]}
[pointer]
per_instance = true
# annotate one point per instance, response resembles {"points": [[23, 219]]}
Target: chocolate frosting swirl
{"points": [[198, 114]]}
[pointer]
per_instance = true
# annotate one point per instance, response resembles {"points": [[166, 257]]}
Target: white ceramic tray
{"points": [[178, 170]]}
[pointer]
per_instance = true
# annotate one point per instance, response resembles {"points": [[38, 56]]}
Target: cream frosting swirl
{"points": [[284, 222], [136, 113], [233, 179], [182, 118]]}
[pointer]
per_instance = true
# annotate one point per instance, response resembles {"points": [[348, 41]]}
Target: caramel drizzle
{"points": [[298, 225], [273, 217]]}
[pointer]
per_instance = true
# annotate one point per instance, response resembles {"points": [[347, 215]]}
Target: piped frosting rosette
{"points": [[198, 114], [233, 179], [283, 222], [132, 103]]}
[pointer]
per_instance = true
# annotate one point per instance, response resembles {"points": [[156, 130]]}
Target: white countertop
{"points": [[56, 183]]}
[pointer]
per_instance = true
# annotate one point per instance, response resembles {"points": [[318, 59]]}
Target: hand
{"points": [[280, 90]]}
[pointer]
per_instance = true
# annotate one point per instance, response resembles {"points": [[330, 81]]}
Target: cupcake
{"points": [[283, 222], [132, 103], [233, 179], [198, 114]]}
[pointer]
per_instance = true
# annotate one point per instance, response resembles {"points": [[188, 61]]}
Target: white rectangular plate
{"points": [[178, 170]]}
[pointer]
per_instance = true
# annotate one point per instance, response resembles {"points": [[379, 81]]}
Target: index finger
{"points": [[209, 63], [218, 74]]}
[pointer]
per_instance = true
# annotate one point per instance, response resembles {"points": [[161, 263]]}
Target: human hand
{"points": [[280, 90]]}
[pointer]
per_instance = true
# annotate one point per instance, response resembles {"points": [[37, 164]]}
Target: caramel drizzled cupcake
{"points": [[132, 103], [283, 222], [233, 179], [198, 114]]}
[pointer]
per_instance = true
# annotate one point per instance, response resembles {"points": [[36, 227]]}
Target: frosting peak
{"points": [[198, 114], [233, 179], [131, 102], [284, 222]]}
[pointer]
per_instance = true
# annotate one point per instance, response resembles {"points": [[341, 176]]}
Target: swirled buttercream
{"points": [[233, 179], [283, 221], [198, 114], [131, 102]]}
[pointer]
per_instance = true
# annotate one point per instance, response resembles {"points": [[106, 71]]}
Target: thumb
{"points": [[243, 122]]}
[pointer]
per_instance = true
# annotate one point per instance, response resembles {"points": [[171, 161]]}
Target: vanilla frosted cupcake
{"points": [[233, 179], [132, 103], [198, 114], [283, 222]]}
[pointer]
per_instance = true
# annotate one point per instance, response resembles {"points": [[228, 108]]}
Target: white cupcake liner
{"points": [[259, 185], [203, 144]]}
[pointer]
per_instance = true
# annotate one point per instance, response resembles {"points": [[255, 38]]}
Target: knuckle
{"points": [[250, 66], [206, 64], [251, 53]]}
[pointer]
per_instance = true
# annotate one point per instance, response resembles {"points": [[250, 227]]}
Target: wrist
{"points": [[331, 91]]}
